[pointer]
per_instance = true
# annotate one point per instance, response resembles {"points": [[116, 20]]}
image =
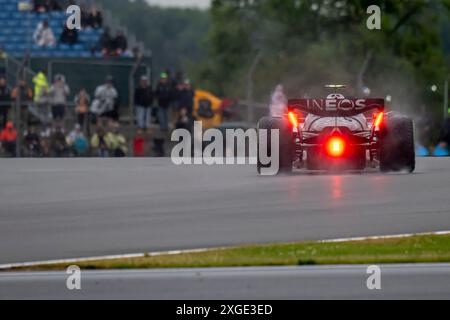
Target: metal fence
{"points": [[81, 74]]}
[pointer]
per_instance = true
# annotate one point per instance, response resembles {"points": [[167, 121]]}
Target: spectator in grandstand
{"points": [[163, 94], [82, 103], [143, 100], [8, 138], [42, 6], [178, 79], [105, 99], [177, 84], [77, 142], [72, 136], [119, 44], [105, 42], [115, 113], [69, 36], [41, 95], [116, 141], [278, 105], [5, 101], [26, 94], [184, 120], [45, 135], [94, 19], [38, 5], [170, 79], [59, 93], [41, 86], [43, 35], [84, 16], [98, 143], [3, 55], [186, 96], [136, 53], [139, 144], [58, 144], [158, 147], [32, 143], [26, 97]]}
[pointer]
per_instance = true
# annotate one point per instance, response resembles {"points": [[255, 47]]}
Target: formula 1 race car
{"points": [[339, 133]]}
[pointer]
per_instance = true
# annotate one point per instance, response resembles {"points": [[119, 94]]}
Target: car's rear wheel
{"points": [[285, 143], [397, 150]]}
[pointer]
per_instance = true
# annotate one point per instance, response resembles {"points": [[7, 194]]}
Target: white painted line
{"points": [[111, 257], [397, 236], [178, 252], [64, 261]]}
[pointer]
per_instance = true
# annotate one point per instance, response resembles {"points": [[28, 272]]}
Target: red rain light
{"points": [[335, 147], [293, 119], [379, 120]]}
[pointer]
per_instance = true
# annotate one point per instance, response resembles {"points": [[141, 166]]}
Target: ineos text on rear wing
{"points": [[336, 108]]}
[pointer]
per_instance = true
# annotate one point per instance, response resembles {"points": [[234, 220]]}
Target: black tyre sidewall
{"points": [[286, 144], [397, 150]]}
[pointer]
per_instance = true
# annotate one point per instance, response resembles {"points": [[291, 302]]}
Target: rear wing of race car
{"points": [[336, 108]]}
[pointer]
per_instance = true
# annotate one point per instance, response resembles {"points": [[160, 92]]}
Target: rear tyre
{"points": [[397, 150], [286, 143]]}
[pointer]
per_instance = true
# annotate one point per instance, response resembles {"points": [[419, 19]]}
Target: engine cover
{"points": [[318, 124]]}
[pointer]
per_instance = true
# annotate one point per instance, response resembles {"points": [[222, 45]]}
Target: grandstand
{"points": [[76, 61], [81, 66], [17, 28]]}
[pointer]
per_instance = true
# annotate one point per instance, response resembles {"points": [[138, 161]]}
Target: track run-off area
{"points": [[71, 208]]}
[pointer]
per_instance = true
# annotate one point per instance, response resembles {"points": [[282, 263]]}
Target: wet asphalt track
{"points": [[327, 282], [68, 208]]}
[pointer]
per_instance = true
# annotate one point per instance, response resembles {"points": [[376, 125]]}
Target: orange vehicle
{"points": [[207, 108]]}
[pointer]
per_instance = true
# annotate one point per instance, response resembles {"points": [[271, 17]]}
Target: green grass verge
{"points": [[416, 249]]}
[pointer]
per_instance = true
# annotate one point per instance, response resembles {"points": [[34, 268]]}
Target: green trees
{"points": [[307, 43], [303, 44], [173, 35]]}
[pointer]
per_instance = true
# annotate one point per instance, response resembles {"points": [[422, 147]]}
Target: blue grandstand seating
{"points": [[17, 28]]}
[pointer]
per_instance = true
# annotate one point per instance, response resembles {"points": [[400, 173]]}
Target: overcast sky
{"points": [[181, 3]]}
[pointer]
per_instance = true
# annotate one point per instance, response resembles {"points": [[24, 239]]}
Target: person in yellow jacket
{"points": [[116, 142], [41, 86]]}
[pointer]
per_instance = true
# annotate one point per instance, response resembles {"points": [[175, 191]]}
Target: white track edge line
{"points": [[110, 257], [178, 252], [406, 235]]}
